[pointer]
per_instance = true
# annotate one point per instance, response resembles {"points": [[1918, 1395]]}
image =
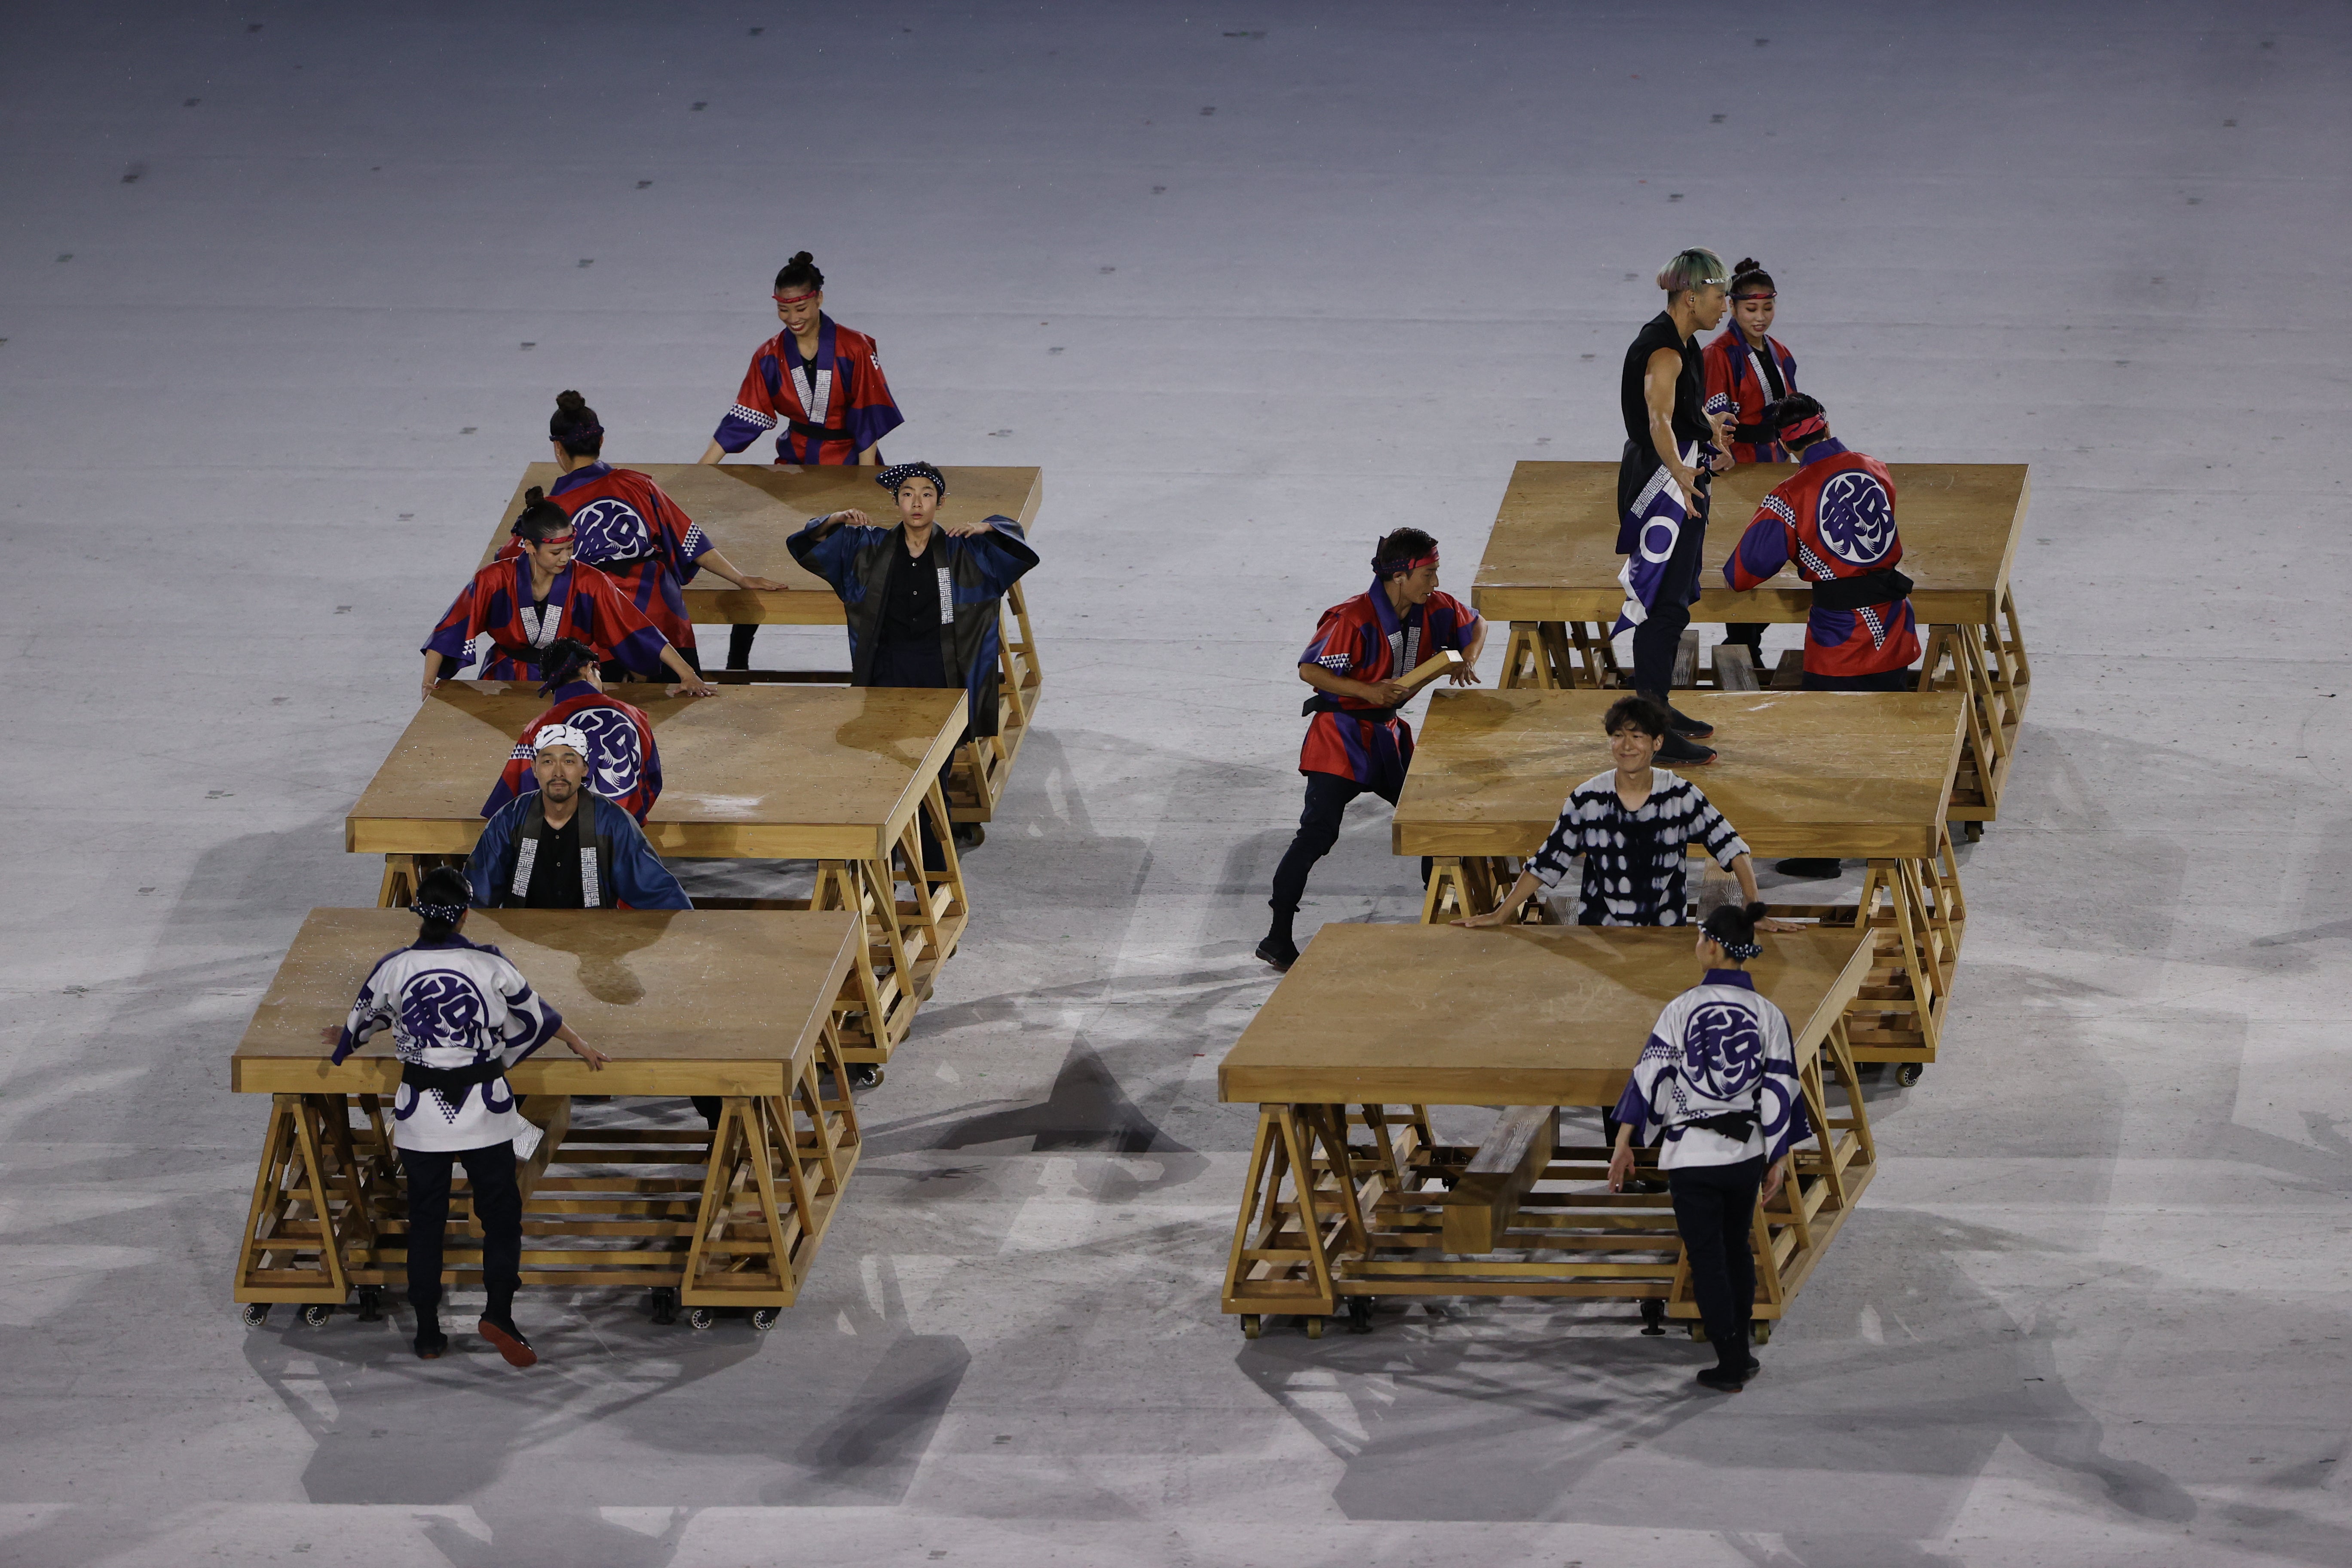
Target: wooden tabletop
{"points": [[1801, 772], [1552, 555], [748, 510], [757, 772], [685, 1002], [1388, 1015]]}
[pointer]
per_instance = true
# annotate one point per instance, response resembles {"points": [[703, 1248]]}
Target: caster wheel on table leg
{"points": [[665, 1305], [1907, 1073], [1698, 1331], [865, 1075], [1972, 831], [764, 1318], [256, 1314], [700, 1317], [1653, 1316], [1759, 1333], [970, 835], [317, 1313], [1251, 1325], [1315, 1328], [1359, 1314], [371, 1304]]}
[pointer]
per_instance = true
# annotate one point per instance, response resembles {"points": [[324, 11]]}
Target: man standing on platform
{"points": [[1672, 444], [1362, 650], [923, 601]]}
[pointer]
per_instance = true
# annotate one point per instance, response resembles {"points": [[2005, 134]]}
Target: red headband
{"points": [[1804, 429], [554, 539], [1416, 565]]}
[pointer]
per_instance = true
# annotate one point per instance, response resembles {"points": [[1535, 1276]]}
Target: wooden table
{"points": [[1350, 1196], [1551, 563], [1832, 774], [748, 511], [832, 774], [732, 1003]]}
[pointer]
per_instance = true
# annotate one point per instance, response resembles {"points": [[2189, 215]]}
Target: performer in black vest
{"points": [[1669, 437]]}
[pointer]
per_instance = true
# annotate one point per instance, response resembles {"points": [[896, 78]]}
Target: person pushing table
{"points": [[1718, 1081], [460, 1015]]}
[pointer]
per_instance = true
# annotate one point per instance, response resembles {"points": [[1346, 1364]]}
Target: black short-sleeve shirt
{"points": [[1690, 387], [556, 871]]}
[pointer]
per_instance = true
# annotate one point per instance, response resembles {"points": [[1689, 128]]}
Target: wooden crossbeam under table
{"points": [[1344, 1203], [727, 1217]]}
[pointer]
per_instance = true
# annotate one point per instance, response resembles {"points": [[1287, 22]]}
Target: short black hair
{"points": [[574, 424], [1650, 717], [1795, 409], [540, 518], [1390, 555], [561, 661], [442, 885], [799, 272]]}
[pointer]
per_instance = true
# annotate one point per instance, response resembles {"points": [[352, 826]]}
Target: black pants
{"points": [[497, 1202], [1884, 681], [1328, 796], [1657, 638], [1714, 1208], [1750, 633], [739, 646], [613, 669]]}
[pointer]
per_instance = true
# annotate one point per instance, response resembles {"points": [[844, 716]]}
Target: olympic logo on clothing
{"points": [[610, 531], [1723, 1050], [441, 1008], [1857, 520], [612, 750]]}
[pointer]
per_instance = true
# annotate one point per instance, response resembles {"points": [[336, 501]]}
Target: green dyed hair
{"points": [[1693, 269]]}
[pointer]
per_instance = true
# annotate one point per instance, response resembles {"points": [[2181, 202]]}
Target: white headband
{"points": [[561, 735]]}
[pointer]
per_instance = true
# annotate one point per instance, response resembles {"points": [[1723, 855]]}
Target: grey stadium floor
{"points": [[266, 271]]}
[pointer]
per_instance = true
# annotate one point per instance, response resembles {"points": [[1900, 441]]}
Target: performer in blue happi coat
{"points": [[460, 1015], [563, 846], [1718, 1082]]}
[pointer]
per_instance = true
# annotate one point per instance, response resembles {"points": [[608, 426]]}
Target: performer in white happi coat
{"points": [[1718, 1081], [460, 1015]]}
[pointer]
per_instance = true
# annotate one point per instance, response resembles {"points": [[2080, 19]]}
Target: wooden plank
{"points": [[1865, 775], [720, 1001], [748, 510], [1516, 1015], [761, 773], [1734, 671], [1552, 553], [1480, 1207]]}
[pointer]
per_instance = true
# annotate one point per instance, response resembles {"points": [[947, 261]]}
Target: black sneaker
{"points": [[1809, 871], [1722, 1379], [1680, 753], [1279, 954], [1696, 729]]}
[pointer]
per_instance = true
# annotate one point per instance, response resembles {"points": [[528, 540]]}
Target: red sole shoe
{"points": [[514, 1347]]}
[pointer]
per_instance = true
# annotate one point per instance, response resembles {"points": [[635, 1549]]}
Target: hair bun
{"points": [[1746, 264], [803, 258], [1758, 911], [570, 402], [533, 496]]}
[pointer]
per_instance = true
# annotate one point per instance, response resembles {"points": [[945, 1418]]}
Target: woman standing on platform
{"points": [[627, 529], [1747, 369], [1717, 1080], [1671, 445], [816, 383], [460, 1015]]}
